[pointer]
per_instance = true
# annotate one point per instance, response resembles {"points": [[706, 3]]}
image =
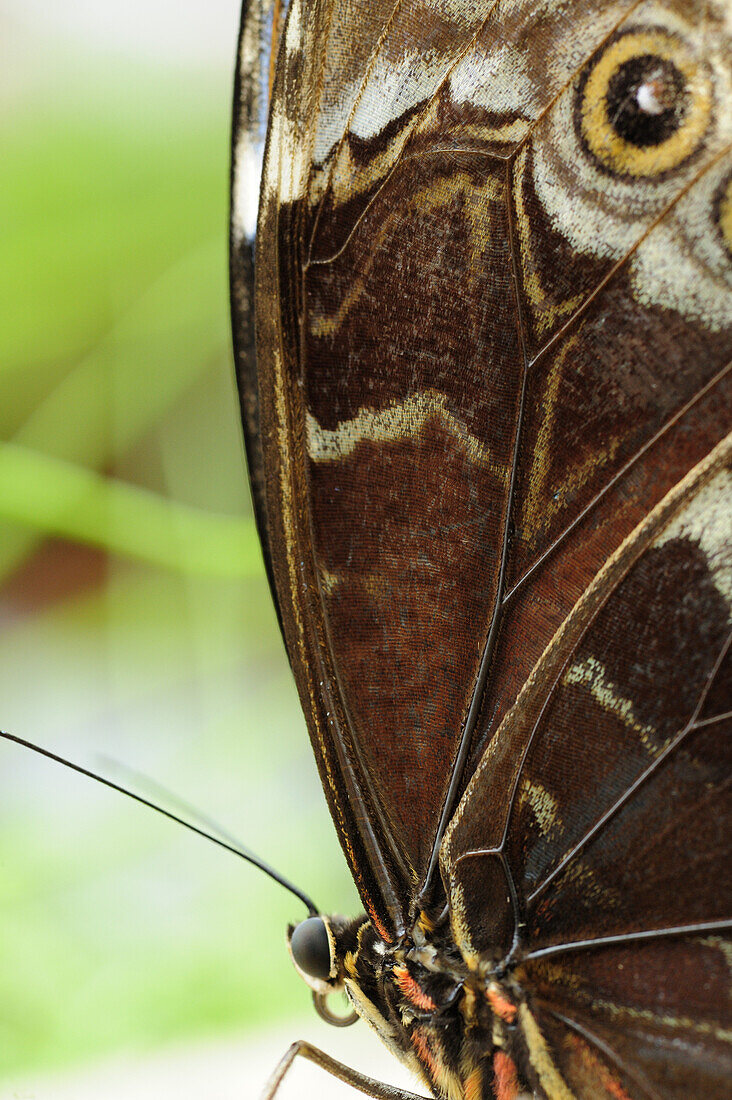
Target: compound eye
{"points": [[310, 948]]}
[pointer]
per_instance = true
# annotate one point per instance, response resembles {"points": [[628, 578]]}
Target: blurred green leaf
{"points": [[57, 498], [122, 432], [126, 383]]}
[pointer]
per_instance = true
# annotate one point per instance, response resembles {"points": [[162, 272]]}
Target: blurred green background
{"points": [[136, 624]]}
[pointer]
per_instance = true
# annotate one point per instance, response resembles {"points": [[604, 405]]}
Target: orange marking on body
{"points": [[377, 923], [505, 1082], [425, 1055], [474, 1085], [500, 1004], [411, 990], [609, 1082]]}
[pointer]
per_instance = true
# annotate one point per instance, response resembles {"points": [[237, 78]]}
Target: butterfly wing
{"points": [[593, 843], [261, 25], [487, 345]]}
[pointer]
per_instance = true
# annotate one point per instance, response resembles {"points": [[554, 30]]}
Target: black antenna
{"points": [[229, 844]]}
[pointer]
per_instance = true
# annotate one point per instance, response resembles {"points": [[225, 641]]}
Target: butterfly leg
{"points": [[352, 1077]]}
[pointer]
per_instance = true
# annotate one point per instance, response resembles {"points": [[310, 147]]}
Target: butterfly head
{"points": [[319, 946], [313, 947]]}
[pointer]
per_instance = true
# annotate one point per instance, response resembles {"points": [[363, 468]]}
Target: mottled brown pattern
{"points": [[673, 1051], [606, 799], [363, 277], [492, 340], [504, 83], [432, 504], [536, 608]]}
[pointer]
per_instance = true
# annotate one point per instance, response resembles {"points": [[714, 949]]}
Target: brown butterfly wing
{"points": [[256, 51], [484, 354], [603, 808], [348, 487], [627, 377]]}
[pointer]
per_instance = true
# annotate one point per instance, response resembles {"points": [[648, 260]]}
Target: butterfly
{"points": [[482, 317]]}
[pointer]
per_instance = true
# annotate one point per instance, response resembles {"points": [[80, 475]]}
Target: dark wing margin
{"points": [[277, 446], [261, 22], [592, 847]]}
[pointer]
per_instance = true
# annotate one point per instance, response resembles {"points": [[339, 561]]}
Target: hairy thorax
{"points": [[453, 1027]]}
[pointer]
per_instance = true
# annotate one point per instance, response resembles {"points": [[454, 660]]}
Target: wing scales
{"points": [[390, 421], [606, 795]]}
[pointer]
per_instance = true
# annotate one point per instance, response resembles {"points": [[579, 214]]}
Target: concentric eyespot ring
{"points": [[644, 106]]}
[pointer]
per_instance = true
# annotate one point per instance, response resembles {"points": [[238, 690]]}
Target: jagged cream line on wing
{"points": [[593, 674], [398, 421], [543, 806]]}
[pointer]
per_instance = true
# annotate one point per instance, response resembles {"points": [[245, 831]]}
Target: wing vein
{"points": [[604, 1048], [550, 694], [632, 790], [719, 377], [418, 115], [572, 76], [622, 261], [476, 699], [701, 928]]}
